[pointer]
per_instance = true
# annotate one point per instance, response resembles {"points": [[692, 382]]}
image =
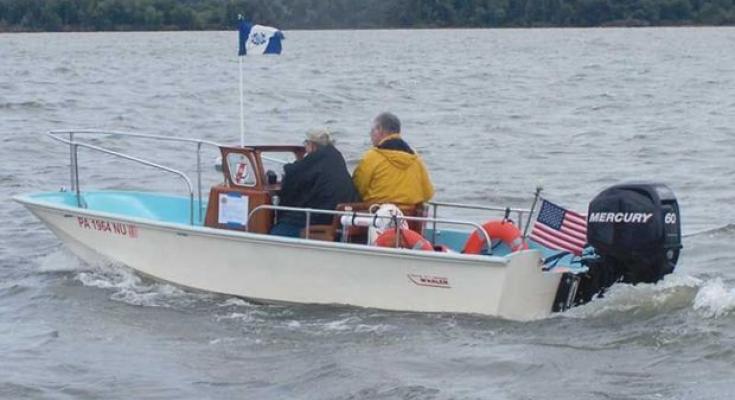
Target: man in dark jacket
{"points": [[319, 180]]}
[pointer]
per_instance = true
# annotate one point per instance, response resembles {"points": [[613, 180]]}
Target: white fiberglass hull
{"points": [[294, 270]]}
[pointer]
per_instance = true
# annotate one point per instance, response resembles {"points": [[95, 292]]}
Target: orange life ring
{"points": [[408, 240], [502, 230]]}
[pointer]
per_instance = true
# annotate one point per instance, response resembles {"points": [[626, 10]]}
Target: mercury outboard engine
{"points": [[635, 231]]}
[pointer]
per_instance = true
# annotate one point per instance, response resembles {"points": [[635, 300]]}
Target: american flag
{"points": [[559, 228]]}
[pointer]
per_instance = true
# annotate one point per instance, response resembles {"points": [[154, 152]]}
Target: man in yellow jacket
{"points": [[391, 172]]}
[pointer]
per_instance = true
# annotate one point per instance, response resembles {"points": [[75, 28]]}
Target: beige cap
{"points": [[319, 136]]}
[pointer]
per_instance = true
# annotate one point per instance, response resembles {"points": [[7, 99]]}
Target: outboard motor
{"points": [[635, 231]]}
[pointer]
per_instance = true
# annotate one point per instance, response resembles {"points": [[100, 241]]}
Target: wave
{"points": [[674, 292], [22, 105], [61, 260], [236, 302], [63, 70], [132, 289], [303, 320], [727, 228], [708, 298], [352, 324], [714, 300], [37, 105]]}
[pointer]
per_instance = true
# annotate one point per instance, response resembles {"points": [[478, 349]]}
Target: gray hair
{"points": [[321, 137], [388, 122]]}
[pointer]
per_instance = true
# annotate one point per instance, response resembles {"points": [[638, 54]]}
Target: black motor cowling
{"points": [[635, 231]]}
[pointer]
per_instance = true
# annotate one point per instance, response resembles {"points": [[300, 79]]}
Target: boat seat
{"points": [[358, 234], [321, 232]]}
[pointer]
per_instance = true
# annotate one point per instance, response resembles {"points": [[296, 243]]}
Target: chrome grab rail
{"points": [[74, 166], [275, 160], [309, 211], [520, 212]]}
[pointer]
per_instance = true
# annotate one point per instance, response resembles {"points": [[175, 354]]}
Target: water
{"points": [[493, 112]]}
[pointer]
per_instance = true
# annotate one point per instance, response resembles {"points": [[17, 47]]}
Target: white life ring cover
{"points": [[381, 224]]}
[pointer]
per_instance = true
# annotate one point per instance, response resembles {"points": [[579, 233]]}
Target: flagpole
{"points": [[268, 41], [536, 196], [242, 107]]}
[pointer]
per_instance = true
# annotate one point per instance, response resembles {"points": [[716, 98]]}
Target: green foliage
{"points": [[56, 15]]}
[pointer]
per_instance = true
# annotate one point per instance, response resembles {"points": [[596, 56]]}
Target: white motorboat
{"points": [[221, 244]]}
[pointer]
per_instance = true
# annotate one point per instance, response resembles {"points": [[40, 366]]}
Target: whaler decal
{"points": [[115, 228], [428, 280], [627, 217]]}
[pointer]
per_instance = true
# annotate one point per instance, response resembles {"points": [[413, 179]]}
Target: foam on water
{"points": [[710, 298], [243, 317], [130, 288], [667, 294], [714, 299], [302, 319], [235, 302], [352, 324]]}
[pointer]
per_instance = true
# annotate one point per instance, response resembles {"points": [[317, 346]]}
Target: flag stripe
{"points": [[576, 217], [557, 246], [572, 232], [555, 243], [556, 236], [550, 233], [559, 228], [578, 224]]}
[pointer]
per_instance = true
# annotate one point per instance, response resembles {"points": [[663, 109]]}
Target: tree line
{"points": [[88, 15]]}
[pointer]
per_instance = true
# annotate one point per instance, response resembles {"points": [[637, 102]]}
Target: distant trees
{"points": [[57, 15]]}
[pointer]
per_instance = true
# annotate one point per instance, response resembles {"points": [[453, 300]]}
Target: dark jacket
{"points": [[319, 180]]}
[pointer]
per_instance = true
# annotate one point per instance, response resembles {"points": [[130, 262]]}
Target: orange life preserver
{"points": [[502, 230], [409, 240]]}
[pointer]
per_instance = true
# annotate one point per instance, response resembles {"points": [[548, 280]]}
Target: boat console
{"points": [[247, 199], [248, 184]]}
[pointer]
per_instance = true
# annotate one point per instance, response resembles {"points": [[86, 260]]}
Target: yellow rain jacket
{"points": [[395, 176]]}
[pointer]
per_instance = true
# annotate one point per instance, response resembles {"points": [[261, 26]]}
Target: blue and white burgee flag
{"points": [[259, 39]]}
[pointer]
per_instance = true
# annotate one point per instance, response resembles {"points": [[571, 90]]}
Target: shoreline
{"points": [[603, 26]]}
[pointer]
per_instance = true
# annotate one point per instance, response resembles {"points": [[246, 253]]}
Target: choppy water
{"points": [[494, 112]]}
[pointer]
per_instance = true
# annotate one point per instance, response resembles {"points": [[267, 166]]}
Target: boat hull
{"points": [[300, 271]]}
